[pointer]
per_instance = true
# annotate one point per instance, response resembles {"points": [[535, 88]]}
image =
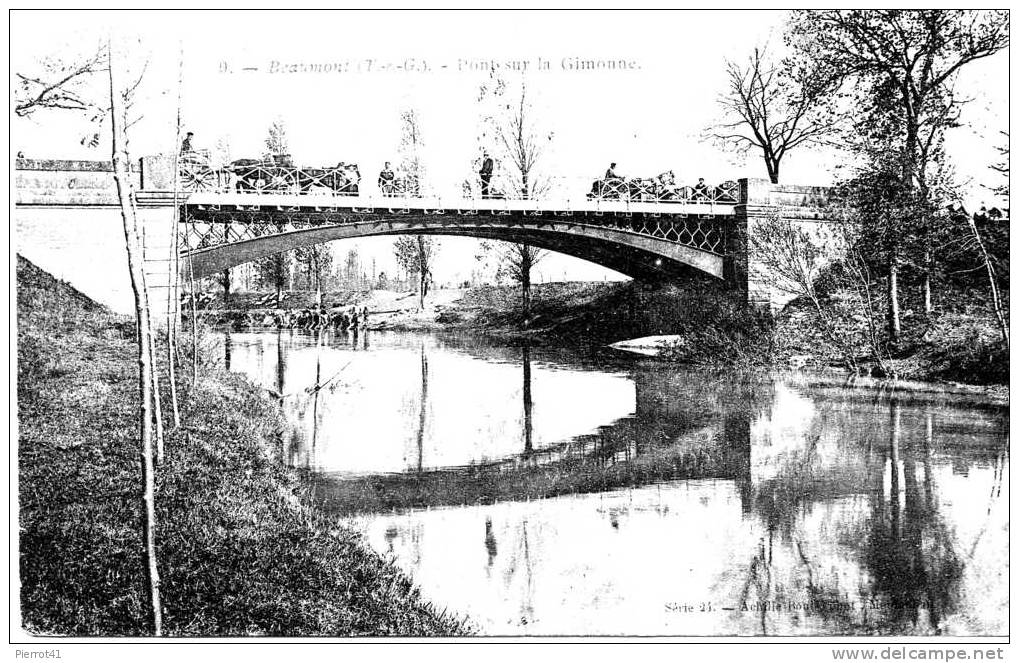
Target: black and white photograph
{"points": [[344, 328]]}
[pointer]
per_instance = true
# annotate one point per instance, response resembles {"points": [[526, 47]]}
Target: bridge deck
{"points": [[434, 205]]}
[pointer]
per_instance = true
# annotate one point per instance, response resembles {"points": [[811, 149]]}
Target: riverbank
{"points": [[240, 552], [700, 322]]}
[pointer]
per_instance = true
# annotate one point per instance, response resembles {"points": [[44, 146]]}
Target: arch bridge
{"points": [[635, 227], [646, 240], [651, 229]]}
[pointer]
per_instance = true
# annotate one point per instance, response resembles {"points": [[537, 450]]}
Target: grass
{"points": [[959, 343], [240, 552], [717, 329]]}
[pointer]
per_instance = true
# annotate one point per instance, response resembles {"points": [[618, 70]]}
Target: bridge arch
{"points": [[636, 255]]}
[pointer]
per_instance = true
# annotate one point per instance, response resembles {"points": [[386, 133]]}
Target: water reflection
{"points": [[614, 496]]}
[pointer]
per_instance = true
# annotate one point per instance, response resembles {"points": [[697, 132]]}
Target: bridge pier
{"points": [[762, 202]]}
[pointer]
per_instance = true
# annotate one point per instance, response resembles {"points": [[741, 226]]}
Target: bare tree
{"points": [[135, 259], [415, 254], [513, 133], [797, 260], [772, 109], [992, 279], [173, 274], [411, 145], [1001, 167], [60, 85]]}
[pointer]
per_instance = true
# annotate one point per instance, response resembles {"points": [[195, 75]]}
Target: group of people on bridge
{"points": [[280, 174], [664, 186]]}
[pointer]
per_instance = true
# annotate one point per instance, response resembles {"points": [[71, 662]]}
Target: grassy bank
{"points": [[711, 326], [960, 343], [239, 551], [702, 311]]}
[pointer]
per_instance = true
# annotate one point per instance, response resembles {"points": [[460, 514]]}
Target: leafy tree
{"points": [[224, 279], [516, 261], [274, 272], [317, 262], [416, 255], [352, 269], [276, 142], [902, 66]]}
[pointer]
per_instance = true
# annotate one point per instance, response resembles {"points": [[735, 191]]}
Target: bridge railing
{"points": [[279, 177]]}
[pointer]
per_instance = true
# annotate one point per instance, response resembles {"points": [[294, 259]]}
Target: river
{"points": [[542, 491]]}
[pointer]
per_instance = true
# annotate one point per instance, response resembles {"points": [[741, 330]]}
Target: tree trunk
{"points": [[226, 288], [772, 163], [157, 405], [525, 280], [422, 270], [928, 304], [909, 181], [528, 403], [136, 268], [173, 284], [894, 322], [423, 413]]}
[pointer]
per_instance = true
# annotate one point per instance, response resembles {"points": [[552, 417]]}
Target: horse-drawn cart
{"points": [[274, 174], [662, 189]]}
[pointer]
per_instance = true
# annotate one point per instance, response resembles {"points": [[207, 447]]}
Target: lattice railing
{"points": [[701, 232], [279, 175]]}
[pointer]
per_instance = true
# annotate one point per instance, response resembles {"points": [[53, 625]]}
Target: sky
{"points": [[339, 81]]}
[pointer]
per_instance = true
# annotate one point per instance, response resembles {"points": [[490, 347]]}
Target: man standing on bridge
{"points": [[185, 146], [387, 181], [487, 166]]}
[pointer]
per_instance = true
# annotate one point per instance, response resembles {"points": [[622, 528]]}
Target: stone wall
{"points": [[67, 221], [762, 202], [65, 182]]}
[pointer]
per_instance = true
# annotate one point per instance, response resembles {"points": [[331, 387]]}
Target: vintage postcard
{"points": [[689, 326]]}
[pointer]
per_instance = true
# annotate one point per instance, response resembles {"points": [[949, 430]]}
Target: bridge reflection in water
{"points": [[678, 502]]}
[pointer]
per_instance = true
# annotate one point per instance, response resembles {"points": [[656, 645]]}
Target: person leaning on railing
{"points": [[700, 190]]}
